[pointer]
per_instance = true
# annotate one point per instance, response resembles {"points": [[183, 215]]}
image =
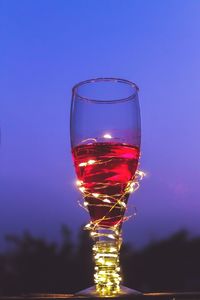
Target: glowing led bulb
{"points": [[96, 195], [111, 236], [82, 189], [131, 190], [107, 136], [122, 203], [79, 182], [112, 249], [106, 200], [88, 226], [131, 184], [83, 164], [101, 260], [91, 162]]}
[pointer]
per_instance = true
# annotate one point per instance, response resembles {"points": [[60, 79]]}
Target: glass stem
{"points": [[107, 270]]}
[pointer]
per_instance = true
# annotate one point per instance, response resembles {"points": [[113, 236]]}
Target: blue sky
{"points": [[47, 47]]}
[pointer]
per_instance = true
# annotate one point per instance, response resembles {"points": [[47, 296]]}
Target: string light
{"points": [[107, 278], [106, 252], [109, 201]]}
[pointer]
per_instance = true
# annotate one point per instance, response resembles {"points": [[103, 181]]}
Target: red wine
{"points": [[104, 171]]}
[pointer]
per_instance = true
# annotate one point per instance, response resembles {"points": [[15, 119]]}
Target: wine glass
{"points": [[105, 139]]}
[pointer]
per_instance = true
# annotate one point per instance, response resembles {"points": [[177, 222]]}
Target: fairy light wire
{"points": [[106, 254], [106, 200]]}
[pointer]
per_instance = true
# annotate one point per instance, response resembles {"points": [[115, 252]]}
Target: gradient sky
{"points": [[48, 46]]}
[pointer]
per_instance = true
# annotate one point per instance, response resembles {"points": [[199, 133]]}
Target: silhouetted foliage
{"points": [[168, 265], [33, 265]]}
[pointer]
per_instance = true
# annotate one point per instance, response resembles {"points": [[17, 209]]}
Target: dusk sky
{"points": [[47, 47]]}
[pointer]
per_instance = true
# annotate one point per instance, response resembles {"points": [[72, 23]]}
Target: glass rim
{"points": [[105, 79]]}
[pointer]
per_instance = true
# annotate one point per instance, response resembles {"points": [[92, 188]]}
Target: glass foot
{"points": [[124, 291]]}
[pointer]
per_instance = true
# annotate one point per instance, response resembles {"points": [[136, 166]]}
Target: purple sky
{"points": [[48, 46]]}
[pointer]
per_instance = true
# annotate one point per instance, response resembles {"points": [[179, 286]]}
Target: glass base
{"points": [[124, 291]]}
